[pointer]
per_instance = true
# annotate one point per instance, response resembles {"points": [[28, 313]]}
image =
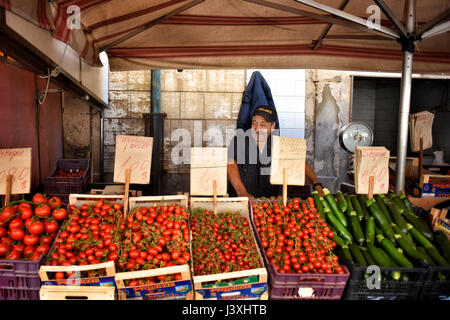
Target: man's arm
{"points": [[235, 178], [309, 172]]}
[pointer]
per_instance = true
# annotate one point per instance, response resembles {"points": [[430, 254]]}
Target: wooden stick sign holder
{"points": [[8, 189], [215, 196], [285, 187], [371, 185], [127, 191], [421, 159]]}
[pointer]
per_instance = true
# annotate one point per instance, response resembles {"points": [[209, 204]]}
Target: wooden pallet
{"points": [[122, 276], [149, 201], [76, 293], [224, 205]]}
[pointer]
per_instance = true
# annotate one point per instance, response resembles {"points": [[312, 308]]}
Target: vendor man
{"points": [[249, 158]]}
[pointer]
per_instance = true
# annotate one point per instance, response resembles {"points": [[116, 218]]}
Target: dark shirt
{"points": [[254, 166]]}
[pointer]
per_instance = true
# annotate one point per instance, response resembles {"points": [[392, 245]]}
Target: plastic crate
{"points": [[304, 286], [67, 185], [434, 287], [389, 289], [19, 279]]}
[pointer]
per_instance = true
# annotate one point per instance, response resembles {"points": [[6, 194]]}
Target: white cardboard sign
{"points": [[289, 153], [207, 165], [16, 162], [134, 153], [372, 161]]}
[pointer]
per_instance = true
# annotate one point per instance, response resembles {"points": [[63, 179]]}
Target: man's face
{"points": [[261, 128]]}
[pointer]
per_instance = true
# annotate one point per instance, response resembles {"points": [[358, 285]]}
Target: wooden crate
{"points": [[107, 280], [76, 293], [180, 289], [425, 178], [110, 270], [150, 201], [169, 290], [234, 291]]}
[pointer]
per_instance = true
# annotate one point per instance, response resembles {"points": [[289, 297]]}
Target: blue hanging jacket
{"points": [[257, 93]]}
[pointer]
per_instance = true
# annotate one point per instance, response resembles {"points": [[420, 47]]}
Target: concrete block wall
{"points": [[288, 88], [129, 98], [201, 102]]}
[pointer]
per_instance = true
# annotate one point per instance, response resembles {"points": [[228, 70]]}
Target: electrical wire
{"points": [[53, 73]]}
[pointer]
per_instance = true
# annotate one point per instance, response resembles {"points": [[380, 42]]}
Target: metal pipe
{"points": [[156, 91], [405, 99]]}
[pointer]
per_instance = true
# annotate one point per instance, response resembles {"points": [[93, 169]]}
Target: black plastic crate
{"points": [[67, 185], [437, 284], [358, 287]]}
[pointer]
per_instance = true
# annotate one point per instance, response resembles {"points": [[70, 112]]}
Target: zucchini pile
{"points": [[382, 231]]}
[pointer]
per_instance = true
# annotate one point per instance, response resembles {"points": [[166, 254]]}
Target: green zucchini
{"points": [[341, 230], [358, 234], [443, 244], [347, 254], [406, 201], [357, 207], [339, 241], [407, 236], [334, 207], [341, 202], [324, 204], [368, 257], [319, 205], [396, 214], [349, 203], [377, 256], [407, 247], [392, 263], [394, 253], [370, 230], [429, 247], [426, 256], [419, 224], [381, 220], [397, 201], [357, 254], [382, 207], [362, 199]]}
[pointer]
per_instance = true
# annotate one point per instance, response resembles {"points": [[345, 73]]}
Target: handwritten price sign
{"points": [[134, 153], [289, 154], [421, 126], [207, 165], [16, 162], [372, 161]]}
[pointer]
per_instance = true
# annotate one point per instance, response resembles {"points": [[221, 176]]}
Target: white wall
{"points": [[288, 92]]}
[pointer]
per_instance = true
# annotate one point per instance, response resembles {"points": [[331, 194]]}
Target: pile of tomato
{"points": [[222, 243], [91, 235], [294, 237], [155, 237], [72, 173], [27, 229]]}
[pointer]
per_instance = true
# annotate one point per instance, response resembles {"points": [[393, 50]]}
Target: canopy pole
{"points": [[405, 96]]}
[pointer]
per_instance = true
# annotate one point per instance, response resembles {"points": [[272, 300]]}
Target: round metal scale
{"points": [[355, 134]]}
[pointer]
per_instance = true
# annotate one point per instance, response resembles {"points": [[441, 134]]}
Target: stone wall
{"points": [[81, 129], [201, 102], [129, 98]]}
